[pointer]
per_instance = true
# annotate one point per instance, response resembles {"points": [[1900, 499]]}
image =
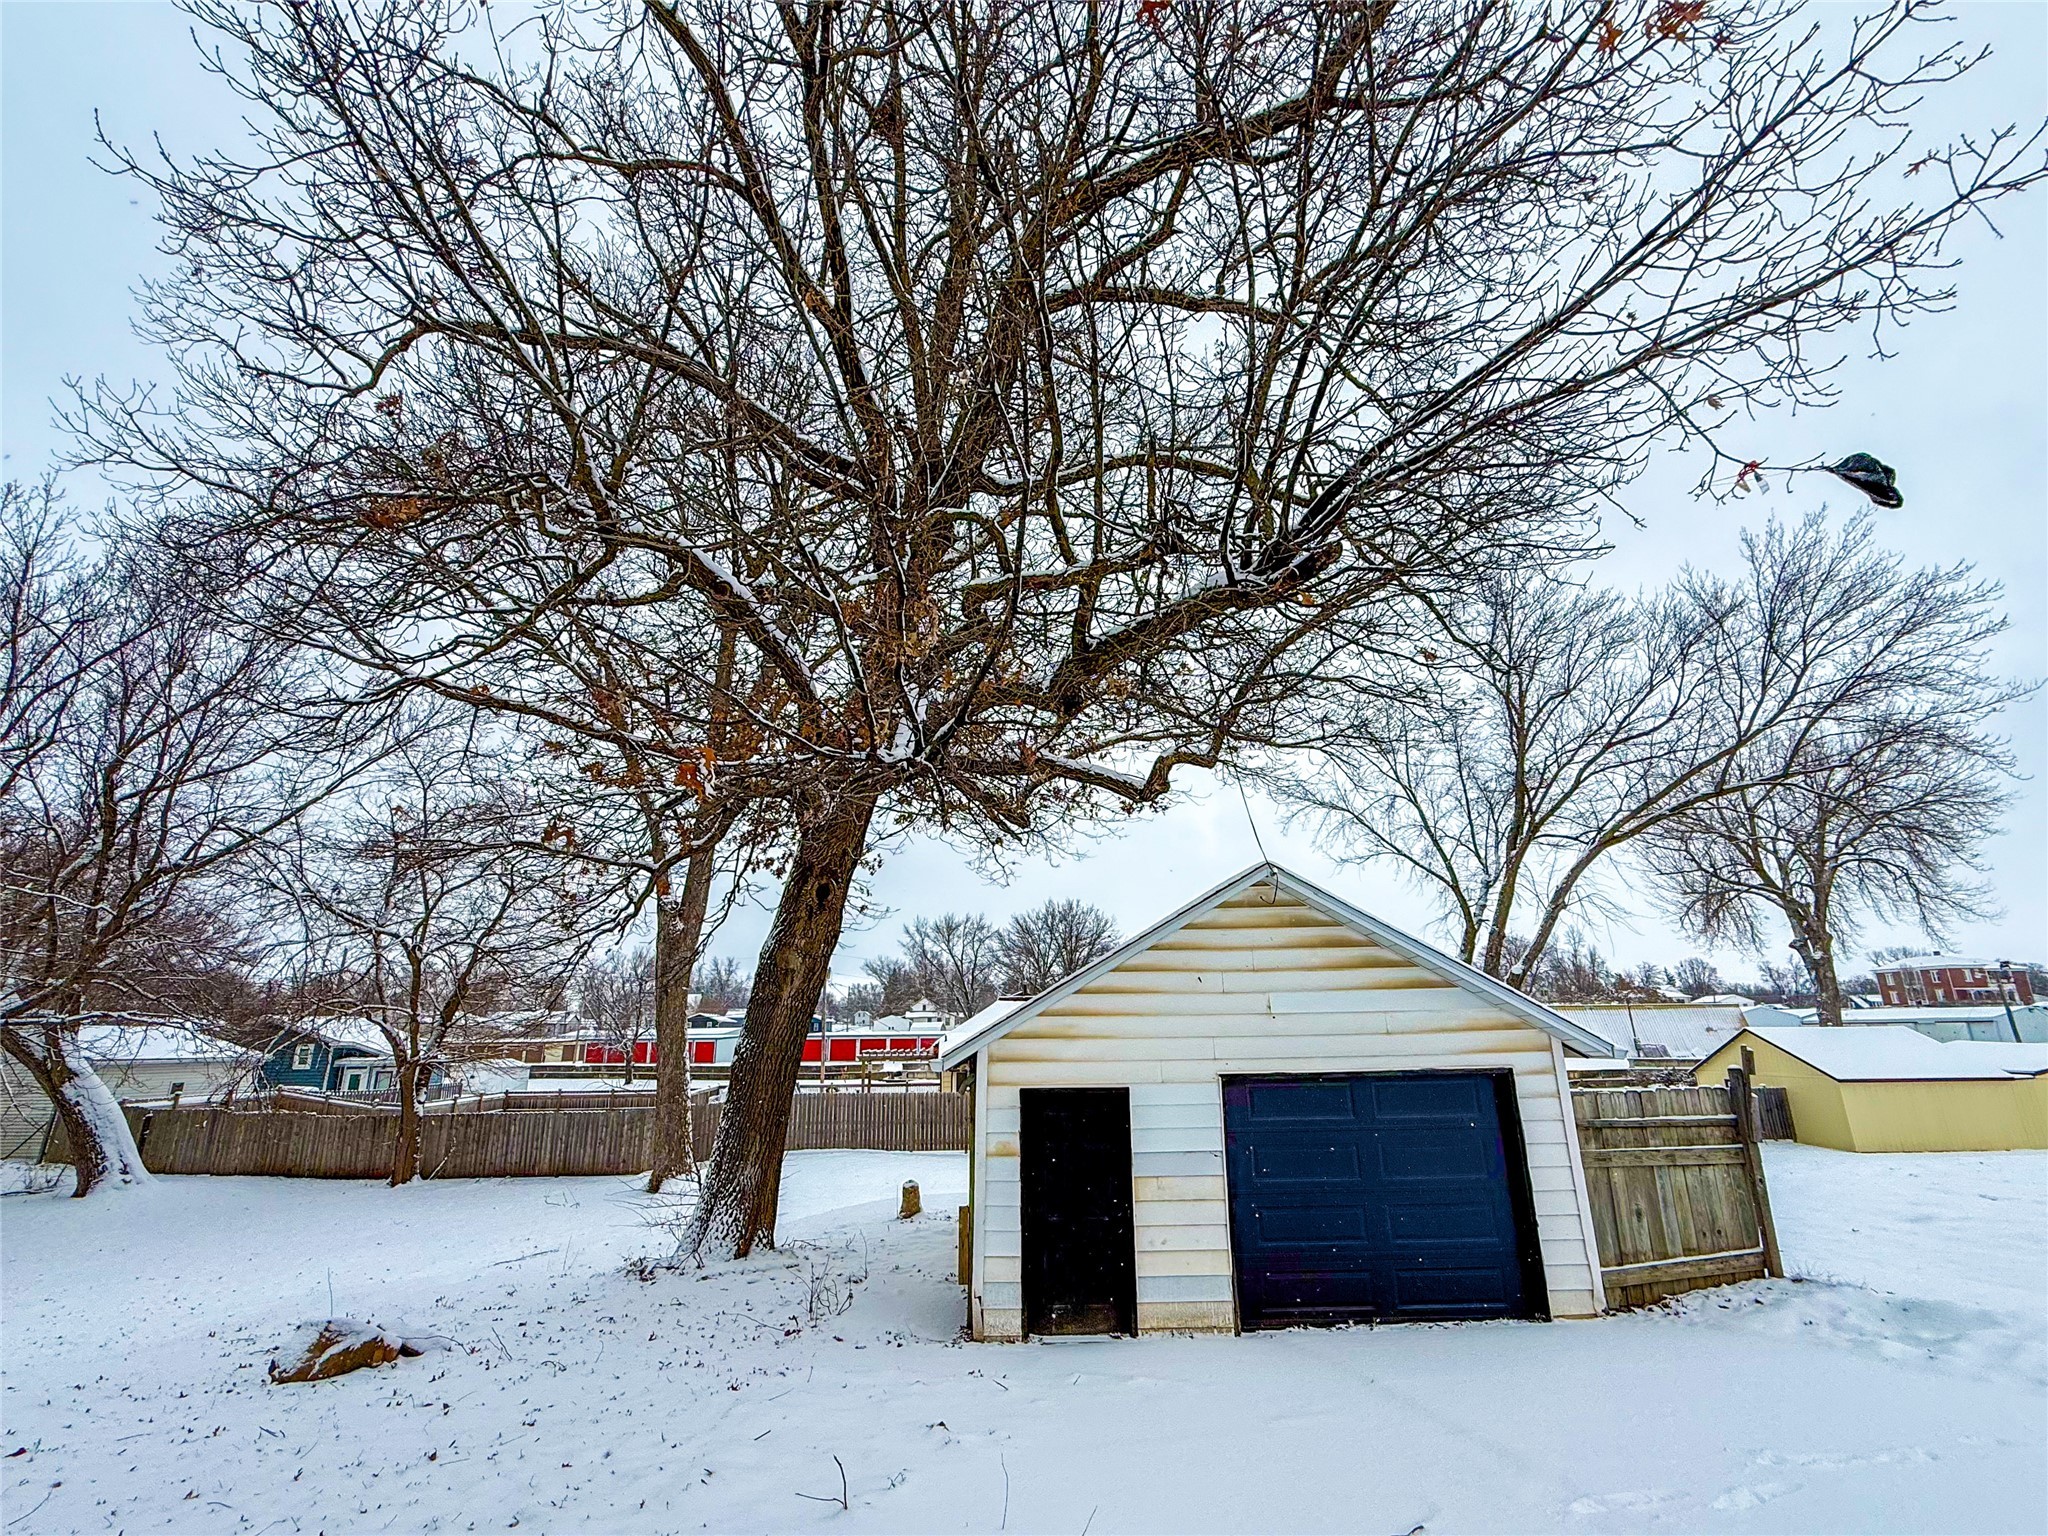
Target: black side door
{"points": [[1080, 1272]]}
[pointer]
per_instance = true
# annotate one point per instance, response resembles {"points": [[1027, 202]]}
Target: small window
{"points": [[176, 1089], [302, 1058]]}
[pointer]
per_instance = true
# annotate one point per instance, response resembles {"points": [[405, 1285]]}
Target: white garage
{"points": [[1273, 1109]]}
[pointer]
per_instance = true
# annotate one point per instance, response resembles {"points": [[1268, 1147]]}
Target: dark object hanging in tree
{"points": [[1873, 479]]}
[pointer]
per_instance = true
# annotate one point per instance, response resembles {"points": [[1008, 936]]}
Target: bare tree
{"points": [[616, 996], [955, 959], [420, 894], [149, 750], [1051, 942], [1564, 725], [1555, 724], [1787, 983], [685, 824], [1697, 977], [1876, 806], [1572, 971], [1885, 822], [1048, 400], [721, 984], [893, 986]]}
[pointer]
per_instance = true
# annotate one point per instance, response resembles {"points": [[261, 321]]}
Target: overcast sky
{"points": [[1961, 410]]}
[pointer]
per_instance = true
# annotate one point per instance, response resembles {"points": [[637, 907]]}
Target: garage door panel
{"points": [[1450, 1154], [1312, 1224], [1306, 1296], [1418, 1098], [1469, 1221], [1400, 1207], [1293, 1103], [1318, 1161], [1481, 1291]]}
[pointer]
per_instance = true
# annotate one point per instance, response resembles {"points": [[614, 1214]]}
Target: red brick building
{"points": [[1923, 980]]}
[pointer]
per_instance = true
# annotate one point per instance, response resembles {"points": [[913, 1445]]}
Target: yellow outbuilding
{"points": [[1890, 1089]]}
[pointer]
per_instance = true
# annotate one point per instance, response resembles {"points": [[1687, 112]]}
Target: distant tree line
{"points": [[1573, 971]]}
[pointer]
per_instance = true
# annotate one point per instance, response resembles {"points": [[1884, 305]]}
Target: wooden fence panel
{"points": [[1670, 1182], [360, 1143], [1774, 1115]]}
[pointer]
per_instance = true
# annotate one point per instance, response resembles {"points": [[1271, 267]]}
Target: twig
{"points": [[1006, 1491], [26, 1513], [825, 1498], [538, 1253], [1089, 1521]]}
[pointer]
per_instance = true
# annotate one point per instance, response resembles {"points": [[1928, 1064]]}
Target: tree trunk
{"points": [[103, 1150], [677, 936], [737, 1208], [678, 930], [405, 1159], [1818, 952]]}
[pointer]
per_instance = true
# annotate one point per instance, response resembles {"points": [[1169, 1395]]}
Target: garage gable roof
{"points": [[991, 1024]]}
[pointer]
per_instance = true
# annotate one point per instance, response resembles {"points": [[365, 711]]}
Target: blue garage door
{"points": [[1376, 1197]]}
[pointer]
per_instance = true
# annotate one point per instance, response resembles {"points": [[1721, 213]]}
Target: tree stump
{"points": [[913, 1202]]}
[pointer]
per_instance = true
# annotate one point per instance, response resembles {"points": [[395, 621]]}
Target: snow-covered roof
{"points": [[1686, 1031], [129, 1044], [1890, 1053], [1949, 1013], [977, 1024], [1725, 1000], [999, 1017], [359, 1034], [1943, 963]]}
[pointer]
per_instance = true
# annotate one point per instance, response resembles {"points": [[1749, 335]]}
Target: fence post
{"points": [[1753, 1161]]}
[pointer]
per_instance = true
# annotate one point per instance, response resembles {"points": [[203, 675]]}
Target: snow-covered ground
{"points": [[1902, 1388]]}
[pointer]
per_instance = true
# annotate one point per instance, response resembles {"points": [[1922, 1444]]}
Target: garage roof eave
{"points": [[967, 1041]]}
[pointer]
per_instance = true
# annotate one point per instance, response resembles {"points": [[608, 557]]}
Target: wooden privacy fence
{"points": [[294, 1143], [1676, 1179], [474, 1103], [1773, 1114]]}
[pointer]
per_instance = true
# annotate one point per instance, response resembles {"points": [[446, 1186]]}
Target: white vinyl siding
{"points": [[1259, 984]]}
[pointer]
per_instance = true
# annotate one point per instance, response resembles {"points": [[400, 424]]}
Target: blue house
{"points": [[330, 1056]]}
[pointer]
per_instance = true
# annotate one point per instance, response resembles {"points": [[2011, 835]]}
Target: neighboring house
{"points": [[137, 1062], [922, 1015], [1992, 1022], [1892, 1089], [531, 1035], [1949, 980], [1658, 1034], [1272, 1108], [333, 1056]]}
